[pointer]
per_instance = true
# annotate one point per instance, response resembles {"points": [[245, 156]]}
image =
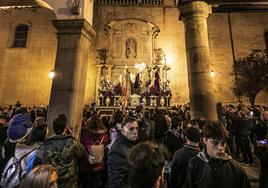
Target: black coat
{"points": [[214, 173], [179, 165], [173, 140], [118, 162], [262, 154], [160, 127]]}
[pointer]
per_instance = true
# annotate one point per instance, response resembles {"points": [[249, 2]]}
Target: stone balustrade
{"points": [[130, 2]]}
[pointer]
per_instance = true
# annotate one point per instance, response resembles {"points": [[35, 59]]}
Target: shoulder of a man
{"points": [[196, 164], [117, 147]]}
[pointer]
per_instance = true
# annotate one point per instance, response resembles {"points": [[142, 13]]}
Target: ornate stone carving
{"points": [[130, 41], [159, 56], [102, 54]]}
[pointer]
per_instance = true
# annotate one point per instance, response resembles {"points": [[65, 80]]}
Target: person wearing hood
{"points": [[212, 167], [118, 154], [93, 133]]}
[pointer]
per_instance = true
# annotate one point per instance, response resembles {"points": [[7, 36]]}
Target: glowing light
{"points": [[169, 59], [212, 74], [51, 74], [140, 67]]}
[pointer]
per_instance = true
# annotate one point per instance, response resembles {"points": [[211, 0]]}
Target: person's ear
{"points": [[205, 140], [123, 130]]}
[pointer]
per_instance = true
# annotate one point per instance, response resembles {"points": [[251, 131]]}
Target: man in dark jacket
{"points": [[160, 126], [61, 151], [118, 154], [261, 151], [213, 168], [182, 156], [243, 127]]}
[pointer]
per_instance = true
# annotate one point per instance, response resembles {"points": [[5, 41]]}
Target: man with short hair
{"points": [[213, 168], [61, 151], [146, 166], [118, 154], [182, 156]]}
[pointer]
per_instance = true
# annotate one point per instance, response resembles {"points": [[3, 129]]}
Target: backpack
{"points": [[96, 152], [13, 174]]}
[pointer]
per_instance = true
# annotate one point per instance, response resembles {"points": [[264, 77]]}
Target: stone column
{"points": [[68, 86], [110, 71], [194, 15]]}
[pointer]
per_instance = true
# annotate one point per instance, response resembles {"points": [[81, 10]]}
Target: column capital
{"points": [[74, 26], [191, 9]]}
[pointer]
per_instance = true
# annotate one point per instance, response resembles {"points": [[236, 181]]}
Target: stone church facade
{"points": [[23, 71], [121, 26]]}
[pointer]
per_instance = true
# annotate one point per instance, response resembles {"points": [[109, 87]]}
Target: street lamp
{"points": [[51, 74], [212, 74]]}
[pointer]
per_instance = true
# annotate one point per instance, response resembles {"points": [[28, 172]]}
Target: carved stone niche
{"points": [[130, 41]]}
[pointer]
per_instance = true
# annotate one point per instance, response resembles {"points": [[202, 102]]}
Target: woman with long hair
{"points": [[93, 135], [43, 176]]}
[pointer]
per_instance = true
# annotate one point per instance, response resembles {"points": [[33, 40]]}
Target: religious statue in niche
{"points": [[131, 48], [102, 54]]}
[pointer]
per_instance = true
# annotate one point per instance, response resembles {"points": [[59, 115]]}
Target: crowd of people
{"points": [[136, 148]]}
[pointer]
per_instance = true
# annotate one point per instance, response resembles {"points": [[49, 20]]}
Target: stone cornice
{"points": [[74, 26], [233, 5]]}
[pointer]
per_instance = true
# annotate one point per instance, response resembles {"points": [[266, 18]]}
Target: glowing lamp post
{"points": [[51, 74]]}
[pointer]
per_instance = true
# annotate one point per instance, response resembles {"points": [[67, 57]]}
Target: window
{"points": [[20, 37]]}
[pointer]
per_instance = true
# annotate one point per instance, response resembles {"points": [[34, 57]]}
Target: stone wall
{"points": [[248, 33], [24, 71]]}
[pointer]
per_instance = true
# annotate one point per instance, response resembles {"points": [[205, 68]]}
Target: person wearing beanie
{"points": [[18, 132], [19, 128], [182, 157]]}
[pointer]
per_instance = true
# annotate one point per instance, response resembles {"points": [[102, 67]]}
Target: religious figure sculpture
{"points": [[131, 48], [137, 84], [126, 86], [157, 77], [146, 80]]}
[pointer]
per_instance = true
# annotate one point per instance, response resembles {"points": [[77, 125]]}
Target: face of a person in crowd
{"points": [[215, 148], [53, 180], [130, 130]]}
